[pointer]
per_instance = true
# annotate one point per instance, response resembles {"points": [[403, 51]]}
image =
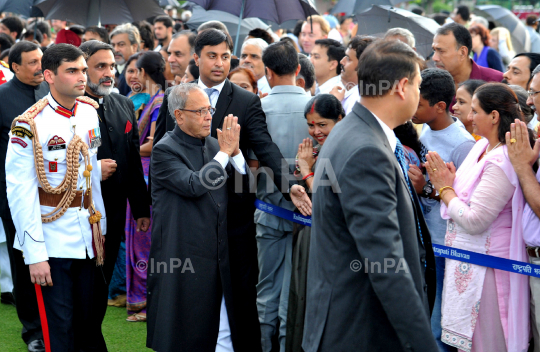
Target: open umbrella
{"points": [[350, 7], [231, 21], [21, 7], [95, 12], [506, 18], [277, 11], [379, 18]]}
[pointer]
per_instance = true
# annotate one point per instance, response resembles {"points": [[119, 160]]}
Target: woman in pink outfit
{"points": [[484, 309]]}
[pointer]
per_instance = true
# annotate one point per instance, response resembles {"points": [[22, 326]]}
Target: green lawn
{"points": [[119, 334]]}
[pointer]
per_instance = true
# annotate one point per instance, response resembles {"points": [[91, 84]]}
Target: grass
{"points": [[120, 335]]}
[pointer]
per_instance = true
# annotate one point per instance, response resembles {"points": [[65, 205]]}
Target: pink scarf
{"points": [[467, 178]]}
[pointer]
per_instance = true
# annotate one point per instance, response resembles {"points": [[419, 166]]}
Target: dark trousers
{"points": [[68, 304], [103, 275], [23, 289], [244, 278]]}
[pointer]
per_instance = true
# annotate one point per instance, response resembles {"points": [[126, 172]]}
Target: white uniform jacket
{"points": [[70, 236]]}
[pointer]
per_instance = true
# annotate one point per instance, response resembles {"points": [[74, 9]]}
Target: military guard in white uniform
{"points": [[55, 198]]}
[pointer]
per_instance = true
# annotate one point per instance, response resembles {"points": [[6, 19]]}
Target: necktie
{"points": [[400, 156], [209, 92]]}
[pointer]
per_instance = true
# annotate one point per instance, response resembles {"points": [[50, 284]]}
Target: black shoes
{"points": [[7, 298], [36, 346]]}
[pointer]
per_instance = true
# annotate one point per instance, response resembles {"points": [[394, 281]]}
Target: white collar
{"points": [[390, 135], [219, 87], [331, 83]]}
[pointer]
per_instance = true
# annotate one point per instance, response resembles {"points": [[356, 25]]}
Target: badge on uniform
{"points": [[94, 136], [56, 143], [22, 132], [53, 166]]}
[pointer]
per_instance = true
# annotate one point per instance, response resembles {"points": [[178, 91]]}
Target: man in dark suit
{"points": [[16, 96], [121, 168], [212, 54], [371, 265]]}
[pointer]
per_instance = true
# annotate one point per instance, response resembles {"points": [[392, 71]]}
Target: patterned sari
{"points": [[138, 243]]}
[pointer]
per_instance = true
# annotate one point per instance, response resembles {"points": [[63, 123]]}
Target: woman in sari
{"points": [[484, 309], [138, 94], [322, 113], [150, 66]]}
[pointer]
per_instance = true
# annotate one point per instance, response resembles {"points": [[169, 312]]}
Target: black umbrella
{"points": [[277, 11], [21, 7], [506, 18], [231, 21], [350, 7], [94, 12], [378, 19]]}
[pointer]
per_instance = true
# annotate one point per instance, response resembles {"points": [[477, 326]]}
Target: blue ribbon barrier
{"points": [[462, 255]]}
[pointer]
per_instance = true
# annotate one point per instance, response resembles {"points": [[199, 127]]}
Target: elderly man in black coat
{"points": [[16, 96], [189, 280]]}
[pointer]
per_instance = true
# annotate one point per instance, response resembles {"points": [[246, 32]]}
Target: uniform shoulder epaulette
{"points": [[4, 64], [89, 101], [32, 112]]}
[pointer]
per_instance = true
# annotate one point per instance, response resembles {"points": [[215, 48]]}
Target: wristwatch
{"points": [[427, 190]]}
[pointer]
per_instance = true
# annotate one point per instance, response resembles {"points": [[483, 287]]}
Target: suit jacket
{"points": [[182, 169], [120, 142], [253, 134], [352, 306], [15, 98], [122, 85]]}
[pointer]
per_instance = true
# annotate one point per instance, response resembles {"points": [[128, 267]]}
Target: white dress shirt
{"points": [[350, 98], [263, 85], [70, 236], [327, 86]]}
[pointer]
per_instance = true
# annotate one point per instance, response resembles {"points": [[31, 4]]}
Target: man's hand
{"points": [[417, 178], [520, 153], [338, 92], [301, 200], [108, 167], [262, 95], [40, 273], [143, 224], [229, 137]]}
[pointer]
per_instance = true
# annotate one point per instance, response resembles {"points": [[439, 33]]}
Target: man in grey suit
{"points": [[370, 256]]}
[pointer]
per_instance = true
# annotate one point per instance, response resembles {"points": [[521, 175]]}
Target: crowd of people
{"points": [[164, 141]]}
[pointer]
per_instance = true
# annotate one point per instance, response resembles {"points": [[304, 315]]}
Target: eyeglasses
{"points": [[532, 93], [202, 112]]}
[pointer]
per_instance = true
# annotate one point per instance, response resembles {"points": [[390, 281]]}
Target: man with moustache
{"points": [[251, 57], [125, 40], [452, 46], [350, 94], [120, 166], [59, 229], [27, 87], [520, 69]]}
